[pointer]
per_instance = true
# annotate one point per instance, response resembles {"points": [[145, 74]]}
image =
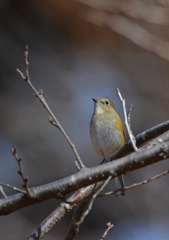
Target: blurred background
{"points": [[74, 60]]}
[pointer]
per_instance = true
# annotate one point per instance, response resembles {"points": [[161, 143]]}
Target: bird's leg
{"points": [[103, 161]]}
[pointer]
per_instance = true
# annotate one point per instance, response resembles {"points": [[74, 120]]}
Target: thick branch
{"points": [[53, 219], [78, 199], [142, 138], [85, 177], [84, 193]]}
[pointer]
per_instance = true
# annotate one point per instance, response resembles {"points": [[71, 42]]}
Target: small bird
{"points": [[106, 132]]}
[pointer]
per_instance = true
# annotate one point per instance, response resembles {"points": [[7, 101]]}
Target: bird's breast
{"points": [[106, 135]]}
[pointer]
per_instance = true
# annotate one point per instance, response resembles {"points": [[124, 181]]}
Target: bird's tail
{"points": [[120, 184]]}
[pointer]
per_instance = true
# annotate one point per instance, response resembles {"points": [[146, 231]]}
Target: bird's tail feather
{"points": [[120, 184]]}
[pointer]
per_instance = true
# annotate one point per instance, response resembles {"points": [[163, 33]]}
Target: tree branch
{"points": [[85, 177], [82, 197], [143, 138], [60, 212]]}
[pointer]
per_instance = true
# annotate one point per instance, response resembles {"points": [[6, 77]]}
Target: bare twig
{"points": [[39, 95], [136, 184], [12, 187], [26, 53], [92, 200], [129, 115], [25, 179], [108, 227], [2, 191], [131, 136], [77, 165]]}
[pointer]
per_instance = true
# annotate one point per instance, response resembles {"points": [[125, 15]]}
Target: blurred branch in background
{"points": [[120, 17], [133, 8]]}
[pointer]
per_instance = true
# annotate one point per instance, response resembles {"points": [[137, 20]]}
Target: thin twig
{"points": [[39, 95], [24, 178], [12, 187], [136, 184], [129, 115], [108, 227], [126, 121], [92, 200], [2, 191]]}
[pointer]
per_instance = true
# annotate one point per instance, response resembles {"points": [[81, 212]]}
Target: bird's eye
{"points": [[107, 102]]}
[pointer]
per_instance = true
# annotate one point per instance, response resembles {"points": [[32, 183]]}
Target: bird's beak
{"points": [[94, 100]]}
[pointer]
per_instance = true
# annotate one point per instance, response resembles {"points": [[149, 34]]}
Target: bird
{"points": [[107, 133]]}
